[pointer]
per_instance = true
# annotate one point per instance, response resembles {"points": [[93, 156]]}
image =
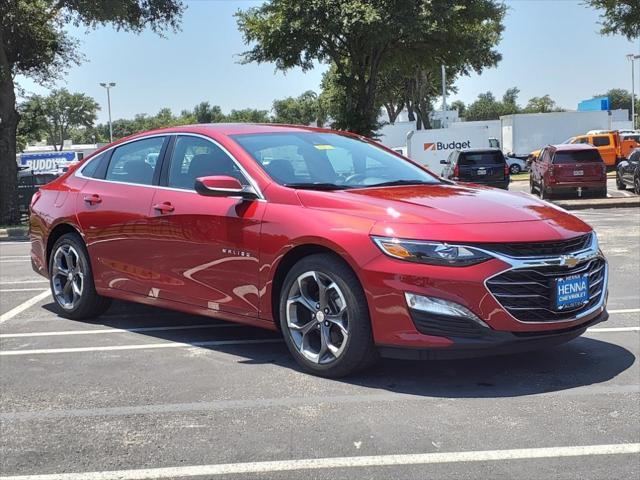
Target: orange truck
{"points": [[611, 146]]}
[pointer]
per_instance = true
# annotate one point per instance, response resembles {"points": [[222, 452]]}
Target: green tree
{"points": [[207, 113], [487, 107], [460, 107], [34, 42], [619, 17], [248, 115], [302, 110], [542, 104], [359, 38], [59, 112]]}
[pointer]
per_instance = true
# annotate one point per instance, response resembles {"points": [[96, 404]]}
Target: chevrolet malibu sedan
{"points": [[350, 250]]}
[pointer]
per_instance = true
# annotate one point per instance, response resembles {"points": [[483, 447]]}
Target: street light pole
{"points": [[631, 57], [108, 86]]}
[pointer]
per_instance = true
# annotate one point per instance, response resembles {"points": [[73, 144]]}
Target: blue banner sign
{"points": [[46, 160]]}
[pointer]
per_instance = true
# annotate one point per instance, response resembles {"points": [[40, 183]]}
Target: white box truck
{"points": [[430, 146], [523, 133]]}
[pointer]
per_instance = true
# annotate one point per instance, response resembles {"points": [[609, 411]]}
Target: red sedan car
{"points": [[347, 248]]}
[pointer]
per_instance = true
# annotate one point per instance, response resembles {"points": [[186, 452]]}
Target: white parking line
{"points": [[625, 310], [143, 346], [20, 282], [20, 290], [342, 462], [23, 306], [15, 256], [14, 261], [119, 330], [613, 329]]}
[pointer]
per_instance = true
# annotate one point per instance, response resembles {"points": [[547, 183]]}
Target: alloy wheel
{"points": [[514, 169], [317, 317], [67, 276], [636, 185]]}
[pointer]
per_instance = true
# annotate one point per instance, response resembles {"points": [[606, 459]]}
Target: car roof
{"points": [[237, 128], [572, 146], [479, 150]]}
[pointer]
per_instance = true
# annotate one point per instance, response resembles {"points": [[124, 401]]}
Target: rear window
{"points": [[580, 156], [481, 158]]}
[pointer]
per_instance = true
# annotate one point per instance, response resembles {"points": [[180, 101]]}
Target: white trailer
{"points": [[430, 146], [523, 133]]}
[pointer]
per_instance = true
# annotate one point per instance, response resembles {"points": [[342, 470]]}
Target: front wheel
{"points": [[324, 317], [71, 280], [620, 185], [515, 169], [636, 185]]}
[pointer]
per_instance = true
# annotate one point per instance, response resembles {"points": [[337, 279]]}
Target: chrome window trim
{"points": [[249, 178], [584, 255]]}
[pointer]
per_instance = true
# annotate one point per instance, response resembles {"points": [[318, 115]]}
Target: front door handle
{"points": [[92, 199], [164, 207]]}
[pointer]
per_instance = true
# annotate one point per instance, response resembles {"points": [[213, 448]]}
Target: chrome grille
{"points": [[532, 249], [526, 293]]}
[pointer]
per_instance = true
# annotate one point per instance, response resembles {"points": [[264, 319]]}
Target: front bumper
{"points": [[474, 341]]}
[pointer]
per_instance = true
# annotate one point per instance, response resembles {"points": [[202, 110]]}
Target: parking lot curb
{"points": [[582, 204], [14, 233]]}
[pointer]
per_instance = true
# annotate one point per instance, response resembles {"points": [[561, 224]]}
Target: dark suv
{"points": [[486, 166]]}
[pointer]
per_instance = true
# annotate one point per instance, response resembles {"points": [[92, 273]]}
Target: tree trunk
{"points": [[8, 126]]}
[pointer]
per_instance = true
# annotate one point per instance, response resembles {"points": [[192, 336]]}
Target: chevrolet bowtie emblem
{"points": [[569, 261]]}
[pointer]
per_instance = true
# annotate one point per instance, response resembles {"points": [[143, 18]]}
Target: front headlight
{"points": [[432, 253]]}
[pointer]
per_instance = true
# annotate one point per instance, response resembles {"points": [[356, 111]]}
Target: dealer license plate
{"points": [[571, 292]]}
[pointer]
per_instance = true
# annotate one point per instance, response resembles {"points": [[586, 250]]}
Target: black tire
{"points": [[515, 169], [89, 303], [544, 193], [359, 351], [636, 185], [620, 185], [532, 186], [601, 193]]}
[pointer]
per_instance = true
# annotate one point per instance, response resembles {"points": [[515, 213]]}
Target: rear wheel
{"points": [[636, 185], [71, 280], [620, 185], [532, 186], [544, 193], [515, 169], [324, 317]]}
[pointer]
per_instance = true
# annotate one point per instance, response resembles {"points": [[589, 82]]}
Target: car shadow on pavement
{"points": [[583, 361]]}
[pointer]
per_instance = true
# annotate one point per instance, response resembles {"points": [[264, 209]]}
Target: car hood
{"points": [[444, 204]]}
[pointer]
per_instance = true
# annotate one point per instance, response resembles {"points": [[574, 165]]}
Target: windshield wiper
{"points": [[317, 186], [395, 183]]}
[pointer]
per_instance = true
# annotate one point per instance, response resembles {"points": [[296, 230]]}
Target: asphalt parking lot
{"points": [[145, 393]]}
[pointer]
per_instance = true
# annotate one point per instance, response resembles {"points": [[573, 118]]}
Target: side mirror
{"points": [[223, 186], [444, 162]]}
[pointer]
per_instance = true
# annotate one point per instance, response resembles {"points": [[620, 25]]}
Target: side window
{"points": [[89, 170], [129, 162], [601, 141], [195, 157]]}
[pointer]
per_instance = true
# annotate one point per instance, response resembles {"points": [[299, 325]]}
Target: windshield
{"points": [[329, 161], [579, 156]]}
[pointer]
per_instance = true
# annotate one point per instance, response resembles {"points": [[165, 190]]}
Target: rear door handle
{"points": [[164, 207], [92, 199]]}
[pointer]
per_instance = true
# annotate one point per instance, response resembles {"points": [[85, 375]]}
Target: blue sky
{"points": [[549, 47]]}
